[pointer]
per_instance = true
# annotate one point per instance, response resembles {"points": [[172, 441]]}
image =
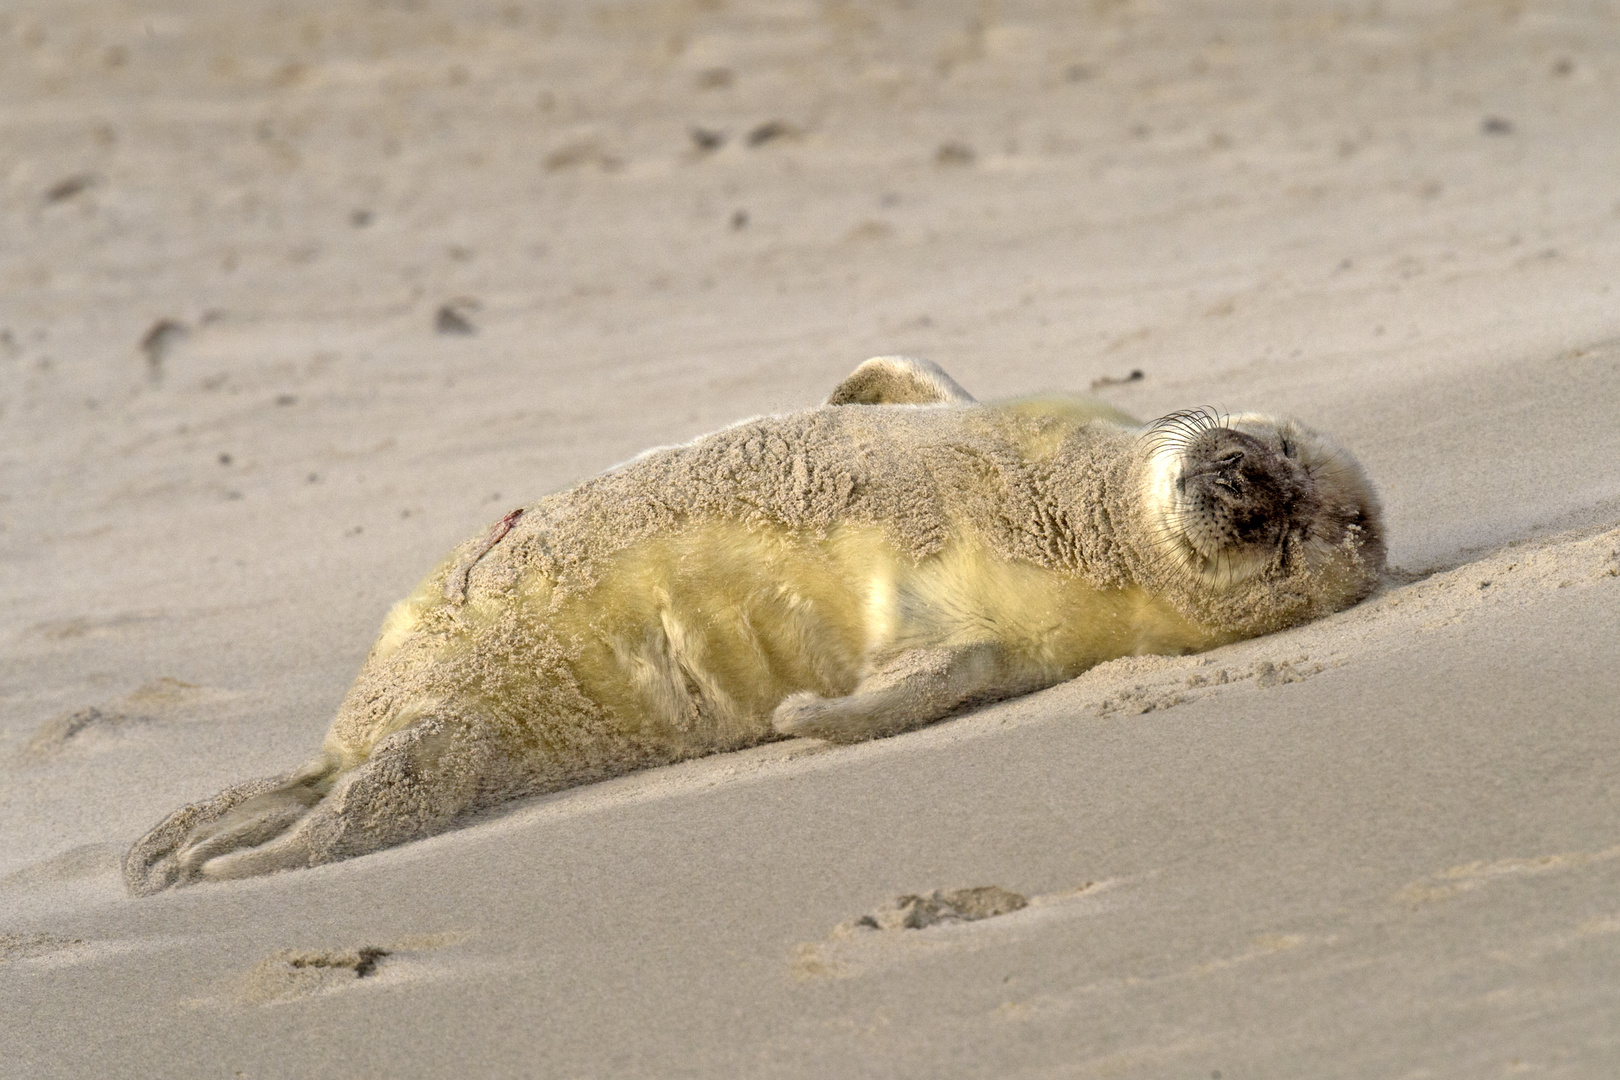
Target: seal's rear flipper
{"points": [[417, 782], [899, 380], [251, 813]]}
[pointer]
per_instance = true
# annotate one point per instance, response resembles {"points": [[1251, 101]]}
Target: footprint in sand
{"points": [[14, 947], [296, 973], [916, 924], [292, 974], [916, 912], [160, 700]]}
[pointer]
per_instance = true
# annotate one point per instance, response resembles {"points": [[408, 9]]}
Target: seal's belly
{"points": [[692, 639]]}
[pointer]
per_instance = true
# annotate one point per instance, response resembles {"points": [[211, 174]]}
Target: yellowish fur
{"points": [[692, 639]]}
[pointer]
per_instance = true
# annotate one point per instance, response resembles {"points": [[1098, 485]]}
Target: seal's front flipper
{"points": [[910, 690], [899, 380]]}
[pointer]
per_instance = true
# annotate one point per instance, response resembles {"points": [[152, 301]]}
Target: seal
{"points": [[856, 570]]}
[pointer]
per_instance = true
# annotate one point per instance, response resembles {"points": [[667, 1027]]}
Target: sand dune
{"points": [[295, 297]]}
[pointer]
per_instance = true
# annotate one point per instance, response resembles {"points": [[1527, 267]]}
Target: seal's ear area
{"points": [[899, 380]]}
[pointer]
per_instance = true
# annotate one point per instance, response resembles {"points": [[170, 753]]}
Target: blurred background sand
{"points": [[295, 296]]}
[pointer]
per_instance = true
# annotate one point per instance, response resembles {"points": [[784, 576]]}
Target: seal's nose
{"points": [[1228, 471], [1222, 463]]}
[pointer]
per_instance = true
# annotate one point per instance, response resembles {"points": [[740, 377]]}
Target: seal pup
{"points": [[855, 570]]}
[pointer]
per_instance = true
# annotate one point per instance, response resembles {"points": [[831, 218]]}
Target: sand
{"points": [[294, 297]]}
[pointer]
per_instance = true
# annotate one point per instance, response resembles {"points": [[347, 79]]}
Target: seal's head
{"points": [[1260, 518]]}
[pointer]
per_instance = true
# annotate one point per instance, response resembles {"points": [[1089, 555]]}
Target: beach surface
{"points": [[294, 297]]}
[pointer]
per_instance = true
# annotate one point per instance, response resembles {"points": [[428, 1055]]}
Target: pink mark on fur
{"points": [[455, 586]]}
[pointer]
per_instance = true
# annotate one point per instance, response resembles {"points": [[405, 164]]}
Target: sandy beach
{"points": [[295, 297]]}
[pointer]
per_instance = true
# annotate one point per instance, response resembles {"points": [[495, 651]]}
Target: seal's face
{"points": [[1236, 497]]}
